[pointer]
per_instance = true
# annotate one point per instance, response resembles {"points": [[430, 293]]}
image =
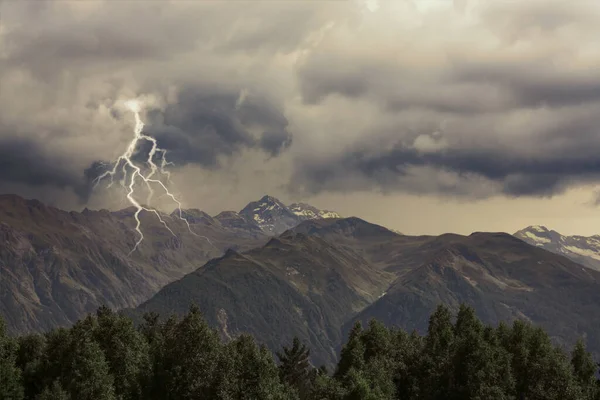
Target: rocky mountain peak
{"points": [[581, 249], [274, 217]]}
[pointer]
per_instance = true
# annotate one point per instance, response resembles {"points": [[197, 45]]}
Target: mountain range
{"points": [[317, 279], [56, 266], [279, 271], [584, 250]]}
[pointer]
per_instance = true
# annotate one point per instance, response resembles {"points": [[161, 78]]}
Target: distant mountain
{"points": [[56, 266], [321, 276], [581, 249], [273, 217], [503, 278]]}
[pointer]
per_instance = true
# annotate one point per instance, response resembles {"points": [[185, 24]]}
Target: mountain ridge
{"points": [[503, 277], [58, 265], [581, 249]]}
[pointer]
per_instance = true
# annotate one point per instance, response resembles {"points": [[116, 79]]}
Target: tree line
{"points": [[106, 357]]}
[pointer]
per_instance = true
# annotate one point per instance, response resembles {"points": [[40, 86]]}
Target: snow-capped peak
{"points": [[274, 217], [581, 249]]}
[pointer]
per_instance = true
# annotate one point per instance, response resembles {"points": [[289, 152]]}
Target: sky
{"points": [[425, 116]]}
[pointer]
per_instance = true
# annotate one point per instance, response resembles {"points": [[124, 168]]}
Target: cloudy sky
{"points": [[425, 116]]}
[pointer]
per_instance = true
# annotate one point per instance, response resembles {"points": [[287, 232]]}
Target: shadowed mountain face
{"points": [[56, 266], [296, 285], [501, 276], [581, 249]]}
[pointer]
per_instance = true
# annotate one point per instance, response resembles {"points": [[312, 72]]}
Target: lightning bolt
{"points": [[129, 180]]}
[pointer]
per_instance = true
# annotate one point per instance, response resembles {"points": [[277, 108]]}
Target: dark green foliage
{"points": [[295, 368], [53, 392], [126, 352], [11, 387], [29, 360], [104, 357]]}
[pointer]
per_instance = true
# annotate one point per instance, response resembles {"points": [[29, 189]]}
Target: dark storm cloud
{"points": [[519, 92], [388, 170], [274, 142], [354, 97], [206, 124], [23, 161], [539, 82]]}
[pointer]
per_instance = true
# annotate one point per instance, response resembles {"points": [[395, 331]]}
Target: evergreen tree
{"points": [[250, 373], [103, 357], [406, 353], [352, 355], [436, 368], [295, 368], [190, 352], [53, 392], [30, 355], [88, 375], [480, 371], [584, 370], [11, 387], [126, 352]]}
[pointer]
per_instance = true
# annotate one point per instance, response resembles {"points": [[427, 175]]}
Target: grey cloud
{"points": [[274, 142], [520, 92], [391, 170], [517, 20], [539, 82], [524, 114], [207, 123], [463, 86], [25, 162]]}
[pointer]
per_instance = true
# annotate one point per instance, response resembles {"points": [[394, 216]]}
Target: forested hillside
{"points": [[105, 357]]}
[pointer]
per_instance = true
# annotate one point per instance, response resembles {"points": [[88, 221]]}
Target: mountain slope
{"points": [[503, 278], [294, 285], [581, 249], [56, 266]]}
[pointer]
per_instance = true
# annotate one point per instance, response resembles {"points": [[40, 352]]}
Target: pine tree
{"points": [[190, 352], [126, 352], [88, 376], [584, 370], [295, 368], [53, 392], [406, 353], [480, 370], [11, 387], [251, 373], [436, 368], [352, 355], [29, 360]]}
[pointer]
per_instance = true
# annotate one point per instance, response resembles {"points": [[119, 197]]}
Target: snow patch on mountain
{"points": [[581, 249], [274, 217], [584, 252], [539, 240]]}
